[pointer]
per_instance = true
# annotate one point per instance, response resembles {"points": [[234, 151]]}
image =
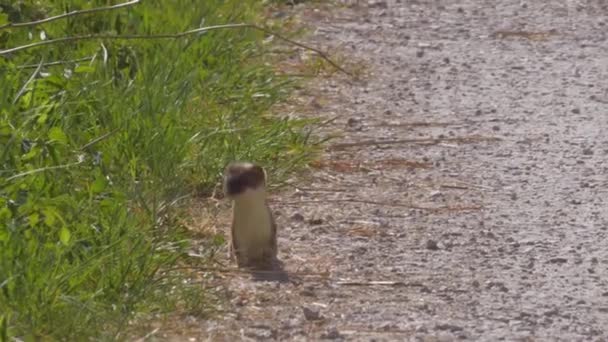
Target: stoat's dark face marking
{"points": [[240, 176]]}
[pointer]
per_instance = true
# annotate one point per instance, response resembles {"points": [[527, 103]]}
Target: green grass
{"points": [[95, 156]]}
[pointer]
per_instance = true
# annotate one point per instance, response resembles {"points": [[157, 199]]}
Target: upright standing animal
{"points": [[253, 231]]}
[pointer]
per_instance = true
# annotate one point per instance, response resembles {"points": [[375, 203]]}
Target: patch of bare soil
{"points": [[467, 197]]}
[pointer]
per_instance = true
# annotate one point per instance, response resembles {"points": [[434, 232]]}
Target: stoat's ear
{"points": [[259, 174]]}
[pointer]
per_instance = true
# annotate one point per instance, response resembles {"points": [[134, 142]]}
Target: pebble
{"points": [[297, 217], [352, 122], [331, 334], [558, 260], [448, 327], [432, 245], [308, 292], [310, 314], [315, 221]]}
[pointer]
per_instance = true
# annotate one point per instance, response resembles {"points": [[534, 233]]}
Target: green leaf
{"points": [[84, 69], [3, 323], [65, 235], [34, 219], [50, 216], [56, 134], [42, 118], [99, 184], [218, 240], [5, 214], [33, 153], [5, 130]]}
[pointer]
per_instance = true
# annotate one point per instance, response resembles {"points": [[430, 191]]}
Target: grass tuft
{"points": [[99, 141]]}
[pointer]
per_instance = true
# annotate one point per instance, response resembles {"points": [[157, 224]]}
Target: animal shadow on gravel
{"points": [[275, 273]]}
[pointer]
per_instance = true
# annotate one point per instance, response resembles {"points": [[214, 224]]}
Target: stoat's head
{"points": [[242, 178]]}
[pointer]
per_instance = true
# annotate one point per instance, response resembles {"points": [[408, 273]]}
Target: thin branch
{"points": [[29, 66], [412, 141], [387, 204], [148, 335], [173, 36], [378, 282], [246, 271], [32, 77], [319, 52], [31, 172], [98, 139], [69, 14], [119, 37], [419, 124]]}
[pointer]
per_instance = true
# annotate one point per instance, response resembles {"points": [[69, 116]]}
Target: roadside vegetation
{"points": [[103, 140]]}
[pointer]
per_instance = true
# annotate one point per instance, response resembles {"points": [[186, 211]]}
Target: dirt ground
{"points": [[467, 196]]}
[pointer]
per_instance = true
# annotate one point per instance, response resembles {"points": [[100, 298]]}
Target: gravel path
{"points": [[473, 205]]}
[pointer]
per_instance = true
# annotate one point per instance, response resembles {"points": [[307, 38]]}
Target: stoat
{"points": [[253, 231]]}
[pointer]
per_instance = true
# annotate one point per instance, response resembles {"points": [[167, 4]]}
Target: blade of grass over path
{"points": [[98, 153]]}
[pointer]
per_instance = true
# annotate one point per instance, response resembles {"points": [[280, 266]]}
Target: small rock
{"points": [[331, 334], [308, 292], [558, 260], [352, 122], [496, 128], [432, 245], [297, 217], [378, 4], [551, 312], [449, 327], [311, 315], [463, 336], [497, 284], [576, 111], [420, 53], [587, 152], [435, 194], [315, 221], [421, 329]]}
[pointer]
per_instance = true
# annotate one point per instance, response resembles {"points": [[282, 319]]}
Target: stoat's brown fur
{"points": [[253, 231]]}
